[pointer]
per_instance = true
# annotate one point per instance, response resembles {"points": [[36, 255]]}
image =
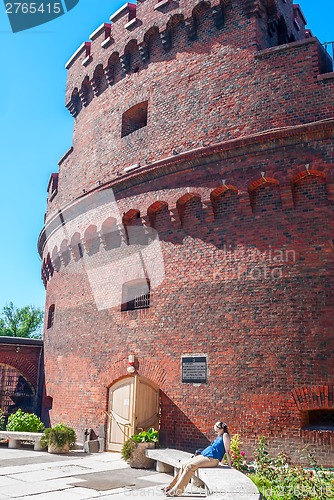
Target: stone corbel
{"points": [[72, 108], [125, 63], [218, 16], [95, 86], [109, 72], [83, 96], [191, 27], [143, 51], [166, 40]]}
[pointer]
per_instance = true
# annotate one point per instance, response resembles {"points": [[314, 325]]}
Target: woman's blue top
{"points": [[216, 449]]}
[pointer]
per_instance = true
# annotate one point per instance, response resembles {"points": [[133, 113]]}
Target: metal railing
{"points": [[329, 48]]}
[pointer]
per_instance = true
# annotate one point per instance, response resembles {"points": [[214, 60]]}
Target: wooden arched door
{"points": [[133, 406]]}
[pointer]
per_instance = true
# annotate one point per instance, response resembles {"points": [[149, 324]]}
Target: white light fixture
{"points": [[132, 167]]}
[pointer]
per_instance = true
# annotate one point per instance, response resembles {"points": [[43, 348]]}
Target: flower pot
{"points": [[138, 458], [53, 448]]}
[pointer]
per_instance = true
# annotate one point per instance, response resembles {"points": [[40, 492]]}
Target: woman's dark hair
{"points": [[222, 425]]}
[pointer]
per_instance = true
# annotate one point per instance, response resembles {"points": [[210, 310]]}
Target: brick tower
{"points": [[188, 241]]}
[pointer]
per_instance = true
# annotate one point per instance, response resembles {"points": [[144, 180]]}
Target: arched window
{"points": [[51, 316], [136, 295], [99, 81], [15, 391]]}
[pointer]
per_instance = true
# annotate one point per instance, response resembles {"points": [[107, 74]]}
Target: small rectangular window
{"points": [[320, 420], [136, 295], [134, 118], [53, 186]]}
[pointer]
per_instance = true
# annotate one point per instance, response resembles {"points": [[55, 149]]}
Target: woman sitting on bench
{"points": [[209, 457]]}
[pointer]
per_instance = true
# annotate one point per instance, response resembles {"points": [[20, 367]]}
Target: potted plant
{"points": [[133, 450], [59, 439]]}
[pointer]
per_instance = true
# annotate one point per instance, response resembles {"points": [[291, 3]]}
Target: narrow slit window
{"points": [[51, 316], [134, 118]]}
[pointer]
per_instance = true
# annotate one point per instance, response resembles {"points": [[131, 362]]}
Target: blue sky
{"points": [[36, 129]]}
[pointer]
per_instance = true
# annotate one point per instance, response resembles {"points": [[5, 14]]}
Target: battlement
{"points": [[126, 44], [308, 191]]}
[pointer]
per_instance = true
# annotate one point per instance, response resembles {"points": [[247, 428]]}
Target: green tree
{"points": [[21, 322]]}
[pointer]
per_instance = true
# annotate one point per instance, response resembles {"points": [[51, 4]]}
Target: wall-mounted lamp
{"points": [[131, 368]]}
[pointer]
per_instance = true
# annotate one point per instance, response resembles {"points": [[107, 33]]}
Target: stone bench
{"points": [[222, 481], [15, 439], [168, 459]]}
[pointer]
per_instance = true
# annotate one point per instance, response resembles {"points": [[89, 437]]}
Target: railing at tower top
{"points": [[329, 48], [326, 57]]}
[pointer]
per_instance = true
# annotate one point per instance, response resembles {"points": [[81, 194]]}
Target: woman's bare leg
{"points": [[180, 482]]}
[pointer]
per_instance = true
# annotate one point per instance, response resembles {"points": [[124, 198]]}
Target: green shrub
{"points": [[150, 436], [58, 436], [2, 420], [276, 479], [24, 422], [127, 449], [237, 456]]}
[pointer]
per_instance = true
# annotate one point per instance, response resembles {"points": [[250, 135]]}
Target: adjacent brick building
{"points": [[207, 290], [21, 375]]}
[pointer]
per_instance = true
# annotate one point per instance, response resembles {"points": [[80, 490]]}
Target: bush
{"points": [[128, 448], [237, 456], [59, 435], [150, 436], [24, 422], [276, 479], [2, 420]]}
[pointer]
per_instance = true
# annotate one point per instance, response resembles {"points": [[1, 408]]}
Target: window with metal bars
{"points": [[136, 295], [142, 301]]}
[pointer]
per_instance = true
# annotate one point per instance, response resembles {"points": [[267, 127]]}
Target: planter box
{"points": [[138, 458], [52, 448]]}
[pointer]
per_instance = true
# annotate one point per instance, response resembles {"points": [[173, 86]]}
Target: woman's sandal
{"points": [[166, 489]]}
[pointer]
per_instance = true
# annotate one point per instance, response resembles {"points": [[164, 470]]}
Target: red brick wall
{"points": [[249, 263], [199, 92], [26, 360], [26, 356], [252, 288]]}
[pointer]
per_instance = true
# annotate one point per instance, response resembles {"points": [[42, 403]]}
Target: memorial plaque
{"points": [[194, 369]]}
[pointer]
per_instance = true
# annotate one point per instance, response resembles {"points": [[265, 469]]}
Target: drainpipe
{"points": [[38, 382]]}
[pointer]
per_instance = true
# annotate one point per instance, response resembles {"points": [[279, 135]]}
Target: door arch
{"points": [[133, 406], [16, 392]]}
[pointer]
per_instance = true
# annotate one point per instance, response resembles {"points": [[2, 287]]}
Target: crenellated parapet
{"points": [[115, 46], [125, 45], [309, 190]]}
